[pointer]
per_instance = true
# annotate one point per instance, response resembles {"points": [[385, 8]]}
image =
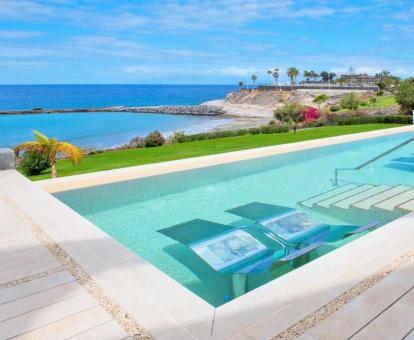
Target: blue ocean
{"points": [[102, 130]]}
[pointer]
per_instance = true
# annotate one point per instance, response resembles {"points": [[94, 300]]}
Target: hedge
{"points": [[266, 129], [394, 119]]}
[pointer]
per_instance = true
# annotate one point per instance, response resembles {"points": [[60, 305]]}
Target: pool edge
{"points": [[154, 169]]}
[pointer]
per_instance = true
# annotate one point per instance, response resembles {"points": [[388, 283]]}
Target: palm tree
{"points": [[51, 147], [331, 76], [293, 73], [307, 75], [314, 75], [276, 75], [269, 74], [254, 78], [241, 84], [325, 76]]}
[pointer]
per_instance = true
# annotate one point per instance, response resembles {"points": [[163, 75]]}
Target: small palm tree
{"points": [[254, 78], [276, 75], [269, 74], [241, 84], [51, 147]]}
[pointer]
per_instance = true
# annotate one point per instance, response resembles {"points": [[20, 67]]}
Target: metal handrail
{"points": [[359, 167]]}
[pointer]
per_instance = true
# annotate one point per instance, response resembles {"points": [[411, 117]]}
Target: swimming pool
{"points": [[133, 211]]}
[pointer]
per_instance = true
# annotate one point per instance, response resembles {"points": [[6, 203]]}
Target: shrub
{"points": [[350, 101], [178, 137], [405, 95], [154, 139], [373, 101], [321, 98], [380, 93], [364, 103], [289, 113], [33, 163], [335, 108], [310, 114], [275, 128], [137, 142], [392, 119], [272, 122]]}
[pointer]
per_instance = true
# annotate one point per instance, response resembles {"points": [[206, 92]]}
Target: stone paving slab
{"points": [[19, 248], [39, 299], [385, 311]]}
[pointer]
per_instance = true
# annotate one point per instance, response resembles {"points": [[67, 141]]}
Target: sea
{"points": [[102, 129]]}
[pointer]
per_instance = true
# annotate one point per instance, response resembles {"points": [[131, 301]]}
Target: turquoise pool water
{"points": [[133, 211]]}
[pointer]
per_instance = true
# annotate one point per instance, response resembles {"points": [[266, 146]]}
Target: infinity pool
{"points": [[134, 211]]}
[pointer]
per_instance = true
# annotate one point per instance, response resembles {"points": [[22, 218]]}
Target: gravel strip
{"points": [[31, 278]]}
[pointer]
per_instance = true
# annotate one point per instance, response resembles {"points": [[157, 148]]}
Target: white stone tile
{"points": [[231, 318], [108, 331], [35, 301], [394, 323], [71, 326], [301, 307], [46, 315], [360, 311], [34, 286]]}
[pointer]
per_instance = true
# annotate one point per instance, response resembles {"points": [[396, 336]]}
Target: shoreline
{"points": [[240, 115]]}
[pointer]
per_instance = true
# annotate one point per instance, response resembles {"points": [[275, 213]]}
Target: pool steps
{"points": [[365, 197]]}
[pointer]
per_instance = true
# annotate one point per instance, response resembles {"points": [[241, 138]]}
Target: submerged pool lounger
{"points": [[295, 227], [233, 250]]}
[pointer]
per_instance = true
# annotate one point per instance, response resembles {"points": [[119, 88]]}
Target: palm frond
{"points": [[30, 146], [71, 151], [40, 137]]}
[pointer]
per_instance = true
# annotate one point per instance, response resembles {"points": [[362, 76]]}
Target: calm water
{"points": [[19, 97], [98, 129], [102, 130], [133, 211]]}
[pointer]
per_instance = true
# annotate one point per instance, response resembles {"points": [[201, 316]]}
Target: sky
{"points": [[199, 41]]}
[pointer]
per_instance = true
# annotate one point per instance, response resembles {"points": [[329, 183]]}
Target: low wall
{"points": [[7, 159]]}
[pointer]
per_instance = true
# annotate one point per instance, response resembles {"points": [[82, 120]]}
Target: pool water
{"points": [[133, 211]]}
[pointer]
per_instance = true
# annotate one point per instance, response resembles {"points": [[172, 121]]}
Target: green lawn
{"points": [[383, 101], [124, 158]]}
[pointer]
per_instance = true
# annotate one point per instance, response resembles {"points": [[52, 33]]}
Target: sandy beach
{"points": [[242, 115]]}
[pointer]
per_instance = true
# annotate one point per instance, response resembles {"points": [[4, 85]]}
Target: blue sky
{"points": [[199, 41]]}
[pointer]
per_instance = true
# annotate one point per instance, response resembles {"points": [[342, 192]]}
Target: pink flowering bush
{"points": [[310, 114]]}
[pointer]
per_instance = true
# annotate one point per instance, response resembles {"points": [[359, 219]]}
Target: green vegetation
{"points": [[33, 163], [180, 137], [51, 147], [130, 157], [392, 119], [385, 101], [154, 139], [405, 95], [289, 113], [321, 98], [380, 101], [350, 101], [292, 73]]}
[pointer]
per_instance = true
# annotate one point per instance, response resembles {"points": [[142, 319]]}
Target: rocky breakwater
{"points": [[197, 110]]}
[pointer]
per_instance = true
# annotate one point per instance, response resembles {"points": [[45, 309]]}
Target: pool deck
{"points": [[39, 298], [360, 290]]}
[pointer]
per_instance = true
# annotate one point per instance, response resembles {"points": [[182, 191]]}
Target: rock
{"points": [[256, 97], [299, 97], [201, 110], [7, 160]]}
